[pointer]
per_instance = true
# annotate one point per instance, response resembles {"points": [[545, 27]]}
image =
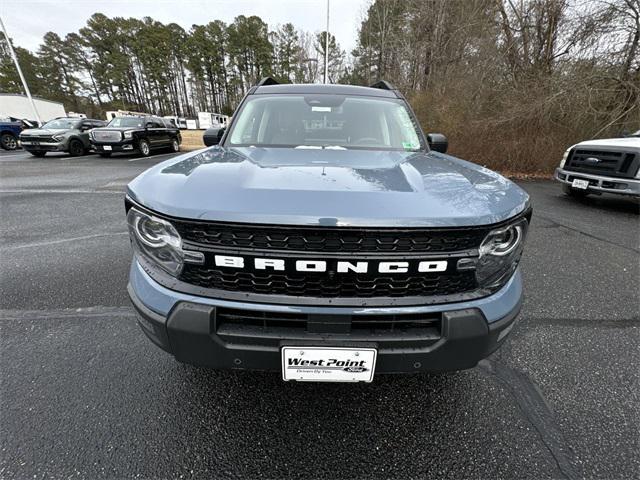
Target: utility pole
{"points": [[24, 82], [326, 47]]}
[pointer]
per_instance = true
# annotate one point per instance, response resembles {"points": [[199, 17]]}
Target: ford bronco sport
{"points": [[323, 238]]}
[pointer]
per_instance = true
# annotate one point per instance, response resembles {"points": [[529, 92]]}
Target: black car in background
{"points": [[140, 134]]}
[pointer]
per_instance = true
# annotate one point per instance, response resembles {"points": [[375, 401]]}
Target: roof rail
{"points": [[267, 81], [383, 85]]}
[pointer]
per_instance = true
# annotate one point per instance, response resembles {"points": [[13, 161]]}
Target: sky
{"points": [[28, 20]]}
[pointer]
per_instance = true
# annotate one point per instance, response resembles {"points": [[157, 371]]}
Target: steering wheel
{"points": [[362, 140]]}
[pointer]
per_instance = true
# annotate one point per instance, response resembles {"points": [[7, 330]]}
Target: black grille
{"points": [[334, 242], [327, 239], [603, 162], [38, 138], [275, 322], [324, 286]]}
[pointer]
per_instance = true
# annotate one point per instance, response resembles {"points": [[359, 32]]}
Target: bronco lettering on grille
{"points": [[421, 266]]}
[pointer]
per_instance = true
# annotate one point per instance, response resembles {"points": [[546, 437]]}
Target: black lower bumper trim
{"points": [[115, 148], [43, 148], [190, 334]]}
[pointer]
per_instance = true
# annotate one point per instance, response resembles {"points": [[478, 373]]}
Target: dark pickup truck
{"points": [[141, 134]]}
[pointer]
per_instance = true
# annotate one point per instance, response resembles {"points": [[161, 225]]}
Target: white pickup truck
{"points": [[602, 166]]}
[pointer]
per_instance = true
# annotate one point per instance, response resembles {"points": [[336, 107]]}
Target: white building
{"points": [[208, 120], [111, 114], [19, 106]]}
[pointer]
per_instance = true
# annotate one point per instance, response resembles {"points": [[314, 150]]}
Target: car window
{"points": [[133, 122], [338, 121]]}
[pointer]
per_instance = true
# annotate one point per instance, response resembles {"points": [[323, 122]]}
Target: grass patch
{"points": [[191, 140]]}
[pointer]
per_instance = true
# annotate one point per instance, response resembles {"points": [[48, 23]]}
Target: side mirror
{"points": [[437, 142], [148, 125], [212, 136]]}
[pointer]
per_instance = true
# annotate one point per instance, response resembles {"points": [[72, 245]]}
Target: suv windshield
{"points": [[62, 123], [324, 120], [134, 122]]}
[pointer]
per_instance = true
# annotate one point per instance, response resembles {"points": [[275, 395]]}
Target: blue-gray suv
{"points": [[327, 238]]}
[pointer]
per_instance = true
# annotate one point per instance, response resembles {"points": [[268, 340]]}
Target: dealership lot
{"points": [[86, 395]]}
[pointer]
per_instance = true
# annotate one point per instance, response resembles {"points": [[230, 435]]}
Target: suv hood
{"points": [[45, 131], [119, 129], [328, 187], [633, 142]]}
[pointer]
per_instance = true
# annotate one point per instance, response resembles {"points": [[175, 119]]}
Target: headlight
{"points": [[564, 157], [157, 240], [59, 137], [128, 134], [500, 253]]}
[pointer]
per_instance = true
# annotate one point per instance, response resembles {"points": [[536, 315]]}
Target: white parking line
{"points": [[62, 240], [53, 190], [151, 156]]}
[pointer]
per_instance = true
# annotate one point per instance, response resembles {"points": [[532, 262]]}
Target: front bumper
{"points": [[189, 328], [598, 183], [43, 146], [124, 146]]}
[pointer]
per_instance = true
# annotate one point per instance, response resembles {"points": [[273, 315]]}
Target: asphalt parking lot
{"points": [[85, 395]]}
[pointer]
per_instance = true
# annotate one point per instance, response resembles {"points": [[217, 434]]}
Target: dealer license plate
{"points": [[328, 364], [107, 147], [578, 183]]}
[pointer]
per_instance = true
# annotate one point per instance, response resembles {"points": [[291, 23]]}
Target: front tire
{"points": [[8, 141], [143, 146], [38, 154], [574, 192], [76, 148]]}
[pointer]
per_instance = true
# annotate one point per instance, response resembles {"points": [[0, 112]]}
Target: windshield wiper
{"points": [[320, 147]]}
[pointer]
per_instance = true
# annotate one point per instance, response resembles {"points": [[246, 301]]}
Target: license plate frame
{"points": [[328, 364], [580, 183], [107, 148]]}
